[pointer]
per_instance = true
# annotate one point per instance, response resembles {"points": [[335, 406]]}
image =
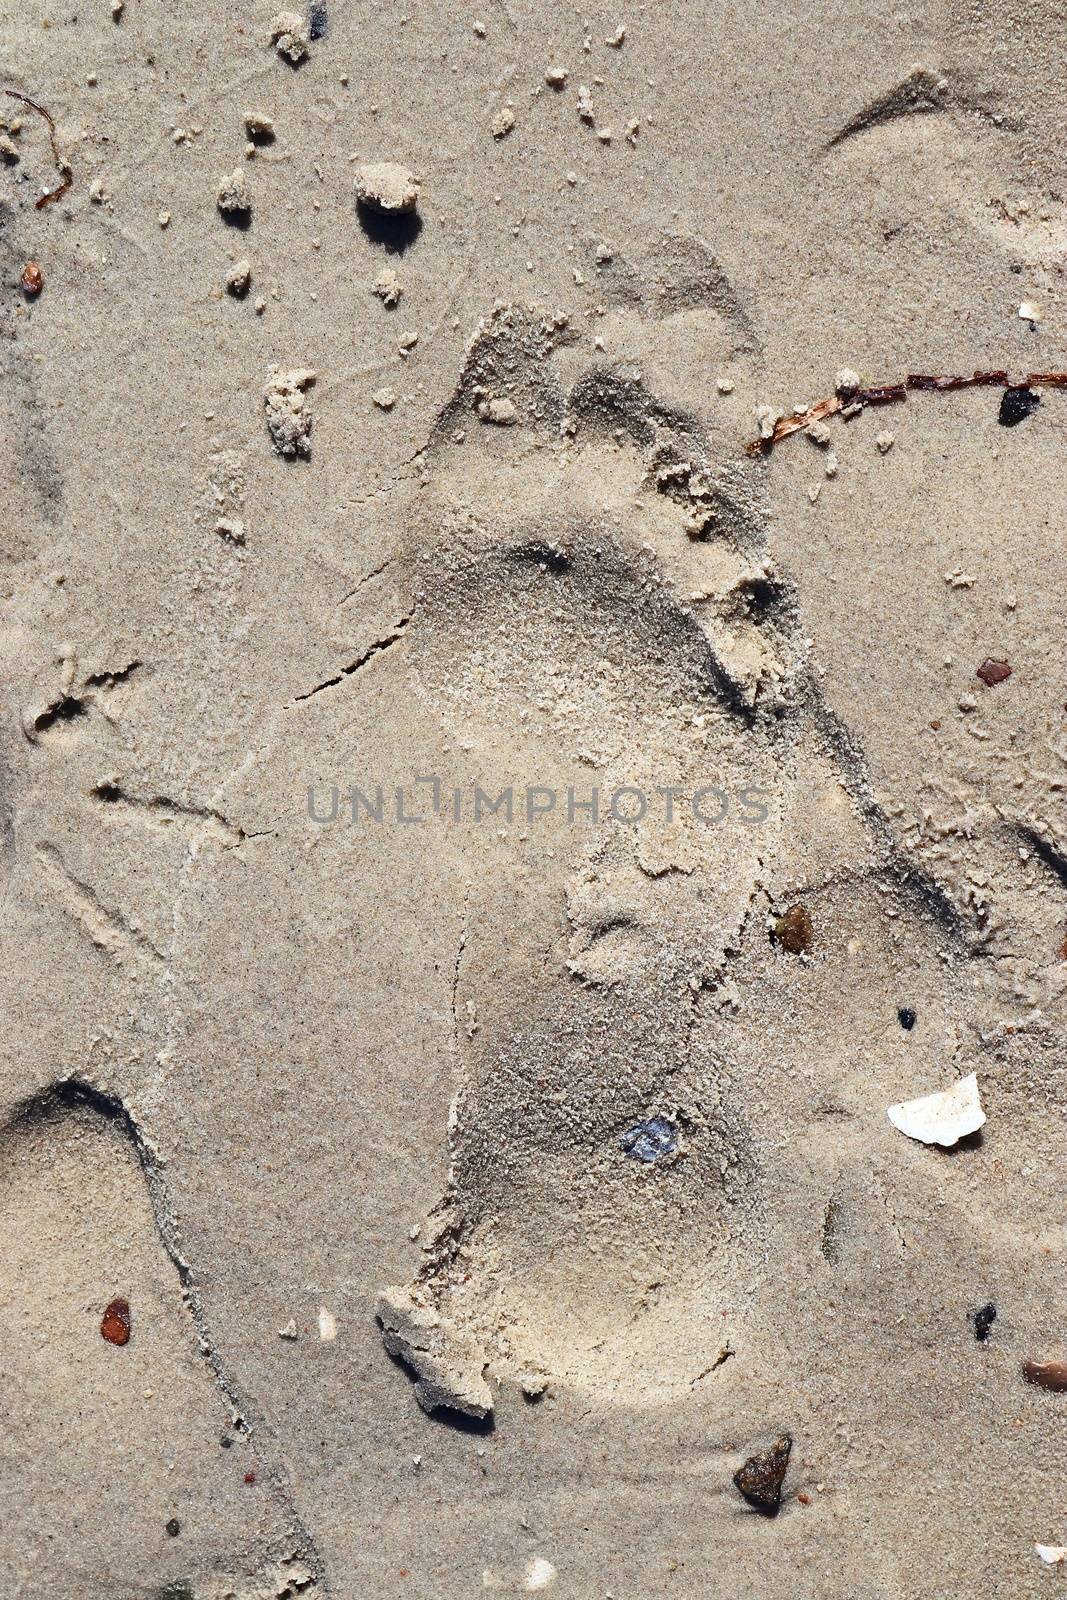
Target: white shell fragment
{"points": [[327, 1324], [943, 1118], [1053, 1555]]}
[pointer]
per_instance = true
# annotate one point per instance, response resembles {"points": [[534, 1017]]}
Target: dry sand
{"points": [[487, 1190]]}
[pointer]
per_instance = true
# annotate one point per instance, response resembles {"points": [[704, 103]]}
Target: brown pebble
{"points": [[32, 279], [794, 931], [992, 672], [1047, 1375], [805, 1499], [760, 1479], [115, 1323]]}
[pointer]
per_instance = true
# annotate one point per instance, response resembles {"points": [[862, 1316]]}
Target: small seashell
{"points": [[1053, 1555]]}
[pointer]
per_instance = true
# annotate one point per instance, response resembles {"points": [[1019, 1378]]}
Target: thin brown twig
{"points": [[851, 402], [62, 167]]}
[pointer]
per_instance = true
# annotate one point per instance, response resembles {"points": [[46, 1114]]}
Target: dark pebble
{"points": [[906, 1018], [115, 1323], [993, 672], [760, 1479], [174, 1527], [1016, 405]]}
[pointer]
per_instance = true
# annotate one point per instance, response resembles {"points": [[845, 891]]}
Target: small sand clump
{"points": [[387, 187], [289, 36], [288, 416], [233, 198], [387, 287], [503, 122], [239, 279]]}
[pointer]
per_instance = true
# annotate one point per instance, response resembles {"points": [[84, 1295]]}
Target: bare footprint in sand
{"points": [[109, 1373], [597, 611]]}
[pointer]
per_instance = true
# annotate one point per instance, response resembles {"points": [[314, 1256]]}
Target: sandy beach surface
{"points": [[533, 715]]}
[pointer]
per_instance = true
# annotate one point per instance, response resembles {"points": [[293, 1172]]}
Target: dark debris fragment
{"points": [[650, 1140], [1016, 405], [906, 1018], [982, 1321], [794, 931], [760, 1479]]}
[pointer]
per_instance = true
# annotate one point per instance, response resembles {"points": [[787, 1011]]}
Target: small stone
{"points": [[831, 464], [614, 40], [846, 382], [233, 198], [502, 123], [650, 1140], [164, 219], [407, 342], [814, 490], [173, 1528], [724, 385], [993, 672], [760, 1479], [1030, 312], [480, 29], [289, 36], [884, 441], [1051, 1375], [239, 279], [794, 932], [384, 399], [115, 1323], [288, 417], [982, 1321], [906, 1018], [387, 187], [32, 280], [117, 8], [289, 1331], [533, 1385], [97, 192], [9, 150], [819, 434], [387, 287], [556, 77], [585, 104]]}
